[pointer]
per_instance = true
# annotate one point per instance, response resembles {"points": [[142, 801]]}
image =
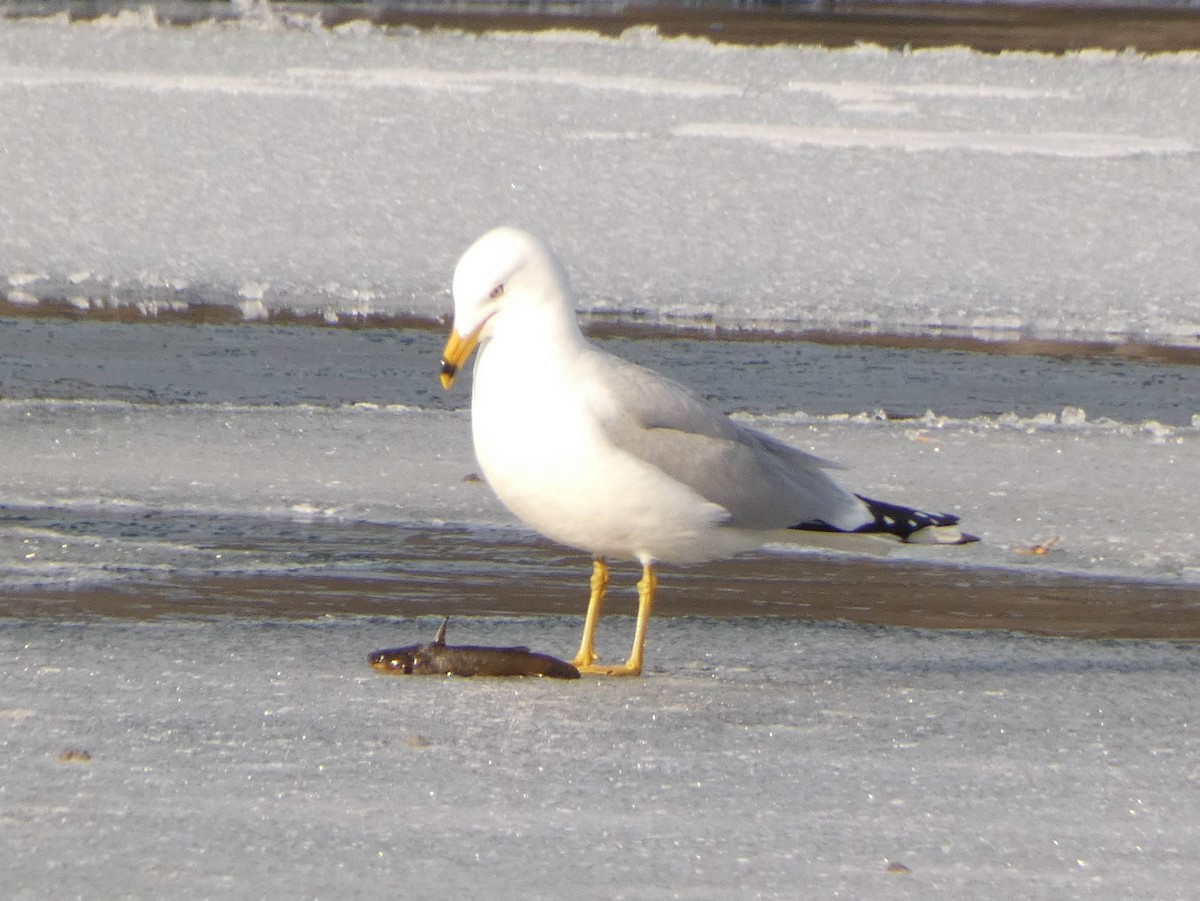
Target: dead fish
{"points": [[440, 659]]}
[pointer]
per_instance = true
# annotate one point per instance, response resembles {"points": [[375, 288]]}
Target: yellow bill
{"points": [[458, 350]]}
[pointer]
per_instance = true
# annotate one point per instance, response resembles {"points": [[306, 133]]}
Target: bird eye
{"points": [[496, 292]]}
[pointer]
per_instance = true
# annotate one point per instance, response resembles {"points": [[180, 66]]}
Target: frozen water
{"points": [[262, 167], [257, 168], [226, 757], [228, 429], [1018, 481], [341, 172]]}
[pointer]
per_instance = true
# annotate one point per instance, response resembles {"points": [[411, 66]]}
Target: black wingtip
{"points": [[908, 524]]}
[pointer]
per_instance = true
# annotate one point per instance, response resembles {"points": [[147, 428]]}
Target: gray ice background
{"points": [[341, 172], [142, 453], [758, 759], [269, 165]]}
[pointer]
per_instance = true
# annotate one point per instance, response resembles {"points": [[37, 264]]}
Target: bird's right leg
{"points": [[587, 647]]}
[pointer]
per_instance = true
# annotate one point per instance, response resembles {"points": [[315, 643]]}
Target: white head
{"points": [[509, 272]]}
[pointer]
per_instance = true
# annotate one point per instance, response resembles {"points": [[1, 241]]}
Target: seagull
{"points": [[614, 459]]}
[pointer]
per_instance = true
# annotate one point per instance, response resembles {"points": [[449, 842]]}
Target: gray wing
{"points": [[762, 482]]}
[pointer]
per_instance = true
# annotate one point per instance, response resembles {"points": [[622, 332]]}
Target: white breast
{"points": [[545, 454]]}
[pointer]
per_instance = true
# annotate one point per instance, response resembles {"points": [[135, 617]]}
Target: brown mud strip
{"points": [[544, 580]]}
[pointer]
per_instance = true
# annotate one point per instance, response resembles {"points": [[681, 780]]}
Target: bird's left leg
{"points": [[587, 647], [646, 588]]}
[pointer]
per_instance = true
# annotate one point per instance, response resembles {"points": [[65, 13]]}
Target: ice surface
{"points": [[341, 172], [232, 755], [1017, 481], [262, 168], [134, 452]]}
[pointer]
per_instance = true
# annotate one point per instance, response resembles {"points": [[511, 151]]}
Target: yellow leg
{"points": [[632, 666], [587, 647], [646, 588]]}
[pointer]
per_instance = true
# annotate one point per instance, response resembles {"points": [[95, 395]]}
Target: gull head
{"points": [[507, 274]]}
